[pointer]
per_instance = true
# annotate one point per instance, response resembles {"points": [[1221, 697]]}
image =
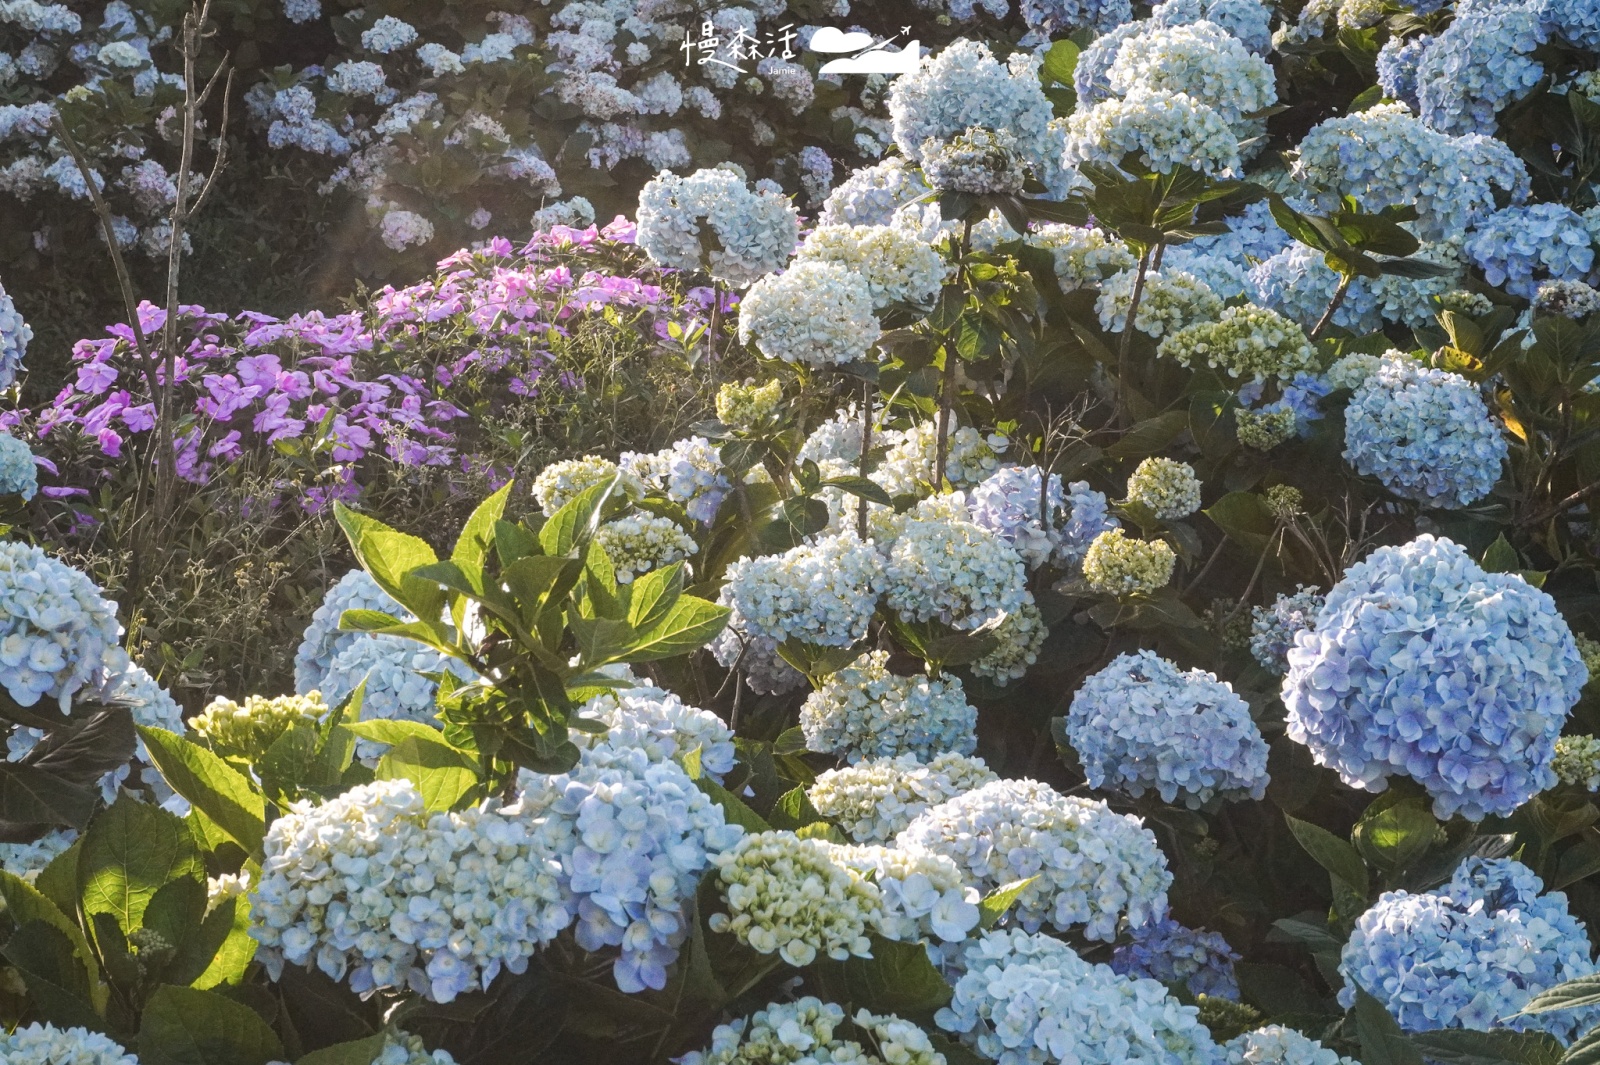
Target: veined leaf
{"points": [[221, 792]]}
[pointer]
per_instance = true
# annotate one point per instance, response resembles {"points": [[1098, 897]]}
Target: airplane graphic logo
{"points": [[872, 56]]}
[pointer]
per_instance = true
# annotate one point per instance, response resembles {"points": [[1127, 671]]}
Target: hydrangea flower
{"points": [[876, 799], [19, 475], [1054, 1007], [1094, 867], [1424, 665], [14, 337], [1264, 430], [322, 641], [1480, 63], [247, 730], [1169, 130], [1118, 565], [822, 593], [922, 896], [865, 711], [639, 543], [638, 834], [743, 406], [1248, 20], [1084, 256], [353, 886], [561, 482], [28, 860], [955, 572], [872, 195], [979, 160], [815, 313], [1246, 343], [1169, 301], [1167, 487], [45, 1044], [662, 725], [1566, 299], [810, 1030], [1425, 433], [58, 633], [1577, 762], [1200, 60], [402, 1048], [1050, 19], [907, 466], [895, 265], [1518, 247], [395, 671], [1470, 954], [1273, 628], [755, 232], [1008, 505], [1140, 724], [787, 895], [1277, 1045], [963, 86], [1021, 636], [1165, 950], [1397, 67], [754, 655]]}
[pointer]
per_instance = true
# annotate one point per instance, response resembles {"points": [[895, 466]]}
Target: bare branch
{"points": [[222, 148]]}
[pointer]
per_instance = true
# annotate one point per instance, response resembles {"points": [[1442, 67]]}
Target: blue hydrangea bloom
{"points": [[1252, 234], [1050, 19], [1470, 954], [1090, 77], [1423, 665], [1141, 724], [323, 640], [1165, 950], [1248, 20], [18, 473], [394, 669], [1480, 63], [1397, 67], [14, 337], [1522, 247], [1425, 433], [1007, 504], [1575, 21], [58, 632]]}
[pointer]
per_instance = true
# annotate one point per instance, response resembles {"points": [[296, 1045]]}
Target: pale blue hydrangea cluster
{"points": [[689, 472], [895, 265], [1426, 434], [955, 572], [755, 232], [14, 337], [922, 897], [368, 887], [1228, 278], [871, 196], [561, 482], [1041, 1004], [1385, 155], [639, 543], [28, 860], [1084, 256], [1090, 76], [636, 836], [1169, 130], [1007, 504], [1050, 19], [1202, 60], [1021, 636], [821, 593], [1248, 20], [394, 670], [1277, 1045], [754, 655], [19, 475], [45, 1044], [58, 633], [1273, 628], [1567, 299], [1397, 67], [787, 895], [1253, 235], [1167, 951], [1141, 724], [662, 725], [322, 640], [816, 313], [875, 800], [1094, 867], [1481, 63], [1423, 665], [810, 1030], [1520, 247], [1471, 953], [865, 711], [1169, 301], [964, 86], [402, 1048], [978, 160], [1297, 283]]}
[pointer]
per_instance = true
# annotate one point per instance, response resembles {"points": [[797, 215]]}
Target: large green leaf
{"points": [[394, 731], [997, 902], [132, 850], [734, 809], [1332, 853], [25, 902], [576, 521], [1584, 991], [1586, 1051], [443, 775], [477, 536], [897, 979], [186, 1026], [31, 795], [389, 556], [1244, 517], [1397, 835], [57, 981], [219, 951], [357, 1052], [1501, 1047], [1382, 1040], [689, 625], [221, 792], [652, 597]]}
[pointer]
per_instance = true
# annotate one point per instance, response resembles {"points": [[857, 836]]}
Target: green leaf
{"points": [[1584, 991], [443, 775], [31, 795], [1382, 1041], [1501, 557], [176, 910], [358, 1052], [1244, 517], [1150, 436], [132, 850], [220, 950], [997, 902], [221, 792], [734, 809], [1585, 1051], [1332, 853], [576, 521], [1499, 1047], [477, 536], [1060, 60], [897, 979], [653, 596], [25, 902], [860, 487], [690, 624], [389, 556], [394, 732], [793, 810], [1397, 835], [57, 981], [185, 1026]]}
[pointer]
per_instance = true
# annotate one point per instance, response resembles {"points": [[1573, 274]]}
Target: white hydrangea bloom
{"points": [[923, 895], [1169, 488], [1021, 635], [1277, 1045], [809, 1030], [1169, 301], [896, 266], [662, 725], [872, 195], [1094, 867], [1119, 565], [1168, 130], [561, 482], [865, 711], [816, 313], [755, 231], [875, 800], [787, 895], [955, 572], [1084, 256], [1202, 60], [822, 593], [639, 543], [964, 86]]}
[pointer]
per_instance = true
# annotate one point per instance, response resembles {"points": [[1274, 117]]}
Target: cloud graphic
{"points": [[879, 61], [832, 39]]}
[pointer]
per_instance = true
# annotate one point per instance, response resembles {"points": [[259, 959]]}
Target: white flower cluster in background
{"points": [[1277, 1045], [1119, 565], [662, 725], [1202, 60], [787, 895], [1094, 867], [1247, 343], [1168, 130], [1084, 256], [876, 799], [755, 231], [896, 266], [1273, 628], [45, 1044], [922, 895], [1169, 488], [561, 482], [810, 1030], [864, 711], [1021, 636], [1170, 300], [821, 593], [954, 572], [816, 313]]}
